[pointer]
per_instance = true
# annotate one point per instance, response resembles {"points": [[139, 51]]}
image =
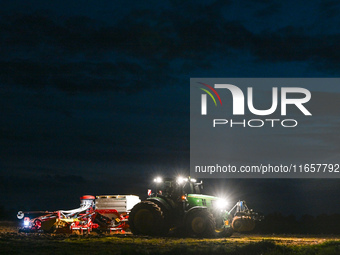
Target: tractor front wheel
{"points": [[200, 223]]}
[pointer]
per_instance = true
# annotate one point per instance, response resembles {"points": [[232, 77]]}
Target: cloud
{"points": [[329, 9], [84, 77], [269, 10], [140, 50]]}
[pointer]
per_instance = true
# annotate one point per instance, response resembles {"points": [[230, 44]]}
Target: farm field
{"points": [[11, 242]]}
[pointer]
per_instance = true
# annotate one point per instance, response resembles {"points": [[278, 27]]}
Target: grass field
{"points": [[13, 243]]}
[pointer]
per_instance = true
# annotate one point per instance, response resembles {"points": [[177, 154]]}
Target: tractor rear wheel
{"points": [[146, 218], [200, 223]]}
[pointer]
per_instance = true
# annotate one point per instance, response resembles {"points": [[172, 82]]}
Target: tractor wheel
{"points": [[243, 224], [37, 224], [146, 218], [200, 223]]}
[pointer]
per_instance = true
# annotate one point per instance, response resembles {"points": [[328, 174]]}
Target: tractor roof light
{"points": [[181, 180], [158, 180]]}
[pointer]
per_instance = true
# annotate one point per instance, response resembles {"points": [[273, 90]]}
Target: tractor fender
{"points": [[160, 202], [187, 213]]}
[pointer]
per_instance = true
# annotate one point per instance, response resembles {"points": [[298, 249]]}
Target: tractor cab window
{"points": [[197, 189], [165, 188], [192, 188], [159, 187], [188, 188], [168, 188]]}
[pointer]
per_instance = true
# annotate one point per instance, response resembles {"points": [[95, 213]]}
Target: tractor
{"points": [[178, 204]]}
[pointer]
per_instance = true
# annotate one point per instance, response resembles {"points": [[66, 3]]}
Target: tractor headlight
{"points": [[181, 180], [158, 180], [26, 222], [222, 204]]}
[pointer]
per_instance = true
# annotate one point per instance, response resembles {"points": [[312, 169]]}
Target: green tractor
{"points": [[178, 204]]}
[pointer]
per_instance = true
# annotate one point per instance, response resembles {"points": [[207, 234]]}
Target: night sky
{"points": [[95, 94]]}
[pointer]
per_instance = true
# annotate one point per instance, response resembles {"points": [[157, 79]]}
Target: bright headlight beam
{"points": [[180, 180], [222, 203], [158, 180]]}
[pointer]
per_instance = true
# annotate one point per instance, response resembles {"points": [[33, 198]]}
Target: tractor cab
{"points": [[176, 188]]}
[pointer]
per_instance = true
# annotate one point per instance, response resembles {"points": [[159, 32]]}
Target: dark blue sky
{"points": [[95, 95]]}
